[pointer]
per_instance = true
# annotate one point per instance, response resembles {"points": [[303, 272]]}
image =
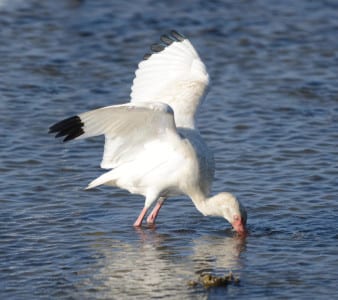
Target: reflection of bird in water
{"points": [[151, 143], [158, 265], [216, 253]]}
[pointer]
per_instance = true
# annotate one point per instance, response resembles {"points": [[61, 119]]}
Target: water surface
{"points": [[270, 117]]}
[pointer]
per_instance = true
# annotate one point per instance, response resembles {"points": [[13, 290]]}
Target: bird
{"points": [[152, 145]]}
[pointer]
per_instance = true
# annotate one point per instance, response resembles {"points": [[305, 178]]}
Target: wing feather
{"points": [[175, 75], [127, 129]]}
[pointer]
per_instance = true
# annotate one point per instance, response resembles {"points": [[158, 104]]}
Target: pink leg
{"points": [[140, 218], [153, 215]]}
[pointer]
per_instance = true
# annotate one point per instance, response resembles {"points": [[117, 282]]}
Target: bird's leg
{"points": [[140, 218], [150, 198], [153, 215]]}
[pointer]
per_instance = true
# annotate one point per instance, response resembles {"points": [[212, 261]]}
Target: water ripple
{"points": [[271, 118]]}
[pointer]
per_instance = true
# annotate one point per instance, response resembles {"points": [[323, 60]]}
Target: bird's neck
{"points": [[207, 206], [184, 121]]}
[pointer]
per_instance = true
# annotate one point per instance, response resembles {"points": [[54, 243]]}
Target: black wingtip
{"points": [[165, 41], [157, 47], [178, 36], [70, 128], [146, 56]]}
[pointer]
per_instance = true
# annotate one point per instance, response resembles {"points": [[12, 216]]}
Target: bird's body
{"points": [[157, 169], [152, 147]]}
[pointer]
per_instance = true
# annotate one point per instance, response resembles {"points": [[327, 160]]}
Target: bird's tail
{"points": [[103, 179]]}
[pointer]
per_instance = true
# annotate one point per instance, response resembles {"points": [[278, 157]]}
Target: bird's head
{"points": [[233, 211]]}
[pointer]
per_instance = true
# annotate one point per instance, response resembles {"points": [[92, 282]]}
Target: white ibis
{"points": [[152, 147]]}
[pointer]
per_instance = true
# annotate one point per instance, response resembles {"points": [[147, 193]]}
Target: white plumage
{"points": [[151, 144], [175, 76]]}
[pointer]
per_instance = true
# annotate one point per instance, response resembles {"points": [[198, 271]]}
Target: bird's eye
{"points": [[236, 218]]}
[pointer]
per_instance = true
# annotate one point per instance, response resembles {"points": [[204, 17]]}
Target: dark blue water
{"points": [[271, 118]]}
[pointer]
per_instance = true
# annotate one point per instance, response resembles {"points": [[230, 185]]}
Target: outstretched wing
{"points": [[174, 74], [127, 129]]}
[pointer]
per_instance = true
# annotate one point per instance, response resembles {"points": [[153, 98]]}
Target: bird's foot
{"points": [[151, 219], [137, 224]]}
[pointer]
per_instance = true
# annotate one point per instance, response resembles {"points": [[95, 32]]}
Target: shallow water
{"points": [[271, 117]]}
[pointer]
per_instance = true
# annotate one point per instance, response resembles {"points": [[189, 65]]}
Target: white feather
{"points": [[175, 76], [127, 129]]}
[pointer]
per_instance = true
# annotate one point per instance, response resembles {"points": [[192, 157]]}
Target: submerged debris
{"points": [[192, 283], [209, 280]]}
